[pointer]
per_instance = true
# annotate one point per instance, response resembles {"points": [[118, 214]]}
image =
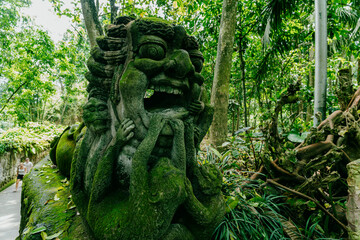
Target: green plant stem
{"points": [[309, 198]]}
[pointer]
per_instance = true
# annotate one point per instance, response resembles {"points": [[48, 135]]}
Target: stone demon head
{"points": [[146, 66]]}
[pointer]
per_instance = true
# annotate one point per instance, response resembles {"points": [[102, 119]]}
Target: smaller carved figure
{"points": [[96, 115]]}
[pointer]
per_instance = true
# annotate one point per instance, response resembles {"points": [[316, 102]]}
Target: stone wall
{"points": [[10, 160]]}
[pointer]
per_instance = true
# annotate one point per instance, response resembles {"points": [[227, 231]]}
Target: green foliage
{"points": [[35, 72], [257, 211], [31, 138]]}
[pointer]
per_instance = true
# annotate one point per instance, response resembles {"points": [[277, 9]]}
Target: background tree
{"points": [[220, 89]]}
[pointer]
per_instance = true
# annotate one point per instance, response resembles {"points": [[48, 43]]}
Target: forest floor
{"points": [[10, 203]]}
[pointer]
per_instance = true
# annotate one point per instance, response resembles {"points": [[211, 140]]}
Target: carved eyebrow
{"points": [[152, 39], [196, 53]]}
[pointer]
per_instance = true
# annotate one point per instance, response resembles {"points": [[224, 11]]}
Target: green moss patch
{"points": [[47, 209]]}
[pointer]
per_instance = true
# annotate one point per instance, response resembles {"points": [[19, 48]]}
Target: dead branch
{"points": [[309, 198], [293, 175], [354, 100]]}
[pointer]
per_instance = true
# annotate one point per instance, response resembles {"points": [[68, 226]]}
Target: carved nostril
{"points": [[168, 65], [179, 64]]}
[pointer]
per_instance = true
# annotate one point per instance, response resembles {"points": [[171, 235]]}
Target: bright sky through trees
{"points": [[43, 14]]}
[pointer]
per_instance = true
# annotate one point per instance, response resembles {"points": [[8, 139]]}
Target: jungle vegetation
{"points": [[268, 105]]}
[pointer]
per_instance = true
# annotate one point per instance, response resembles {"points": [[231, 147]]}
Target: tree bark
{"points": [[310, 84], [242, 70], [92, 23], [320, 59], [353, 203], [220, 88], [113, 10], [358, 71]]}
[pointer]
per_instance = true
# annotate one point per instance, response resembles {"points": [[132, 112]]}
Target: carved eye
{"points": [[91, 109], [102, 108], [152, 51]]}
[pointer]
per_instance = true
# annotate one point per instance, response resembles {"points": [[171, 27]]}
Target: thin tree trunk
{"points": [[358, 71], [220, 89], [92, 23], [311, 81], [113, 10], [238, 111], [243, 79], [320, 59], [123, 8], [11, 96]]}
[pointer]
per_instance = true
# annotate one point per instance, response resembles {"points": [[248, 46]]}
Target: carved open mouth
{"points": [[167, 96], [166, 89]]}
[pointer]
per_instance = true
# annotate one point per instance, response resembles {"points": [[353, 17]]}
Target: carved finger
{"points": [[126, 123], [157, 122], [195, 108], [176, 124], [129, 129], [128, 137]]}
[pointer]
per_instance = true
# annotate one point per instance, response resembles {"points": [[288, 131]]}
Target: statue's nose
{"points": [[179, 64]]}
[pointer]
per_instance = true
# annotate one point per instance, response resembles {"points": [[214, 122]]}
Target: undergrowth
{"points": [[256, 210]]}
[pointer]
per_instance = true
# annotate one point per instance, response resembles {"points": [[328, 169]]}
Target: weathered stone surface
{"points": [[47, 207], [62, 148], [134, 174]]}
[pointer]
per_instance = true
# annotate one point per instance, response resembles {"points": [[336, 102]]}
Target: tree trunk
{"points": [[353, 203], [320, 59], [92, 23], [113, 10], [344, 90], [243, 77], [311, 81], [220, 88], [358, 71]]}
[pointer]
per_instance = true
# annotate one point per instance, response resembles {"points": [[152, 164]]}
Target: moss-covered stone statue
{"points": [[134, 174], [62, 147]]}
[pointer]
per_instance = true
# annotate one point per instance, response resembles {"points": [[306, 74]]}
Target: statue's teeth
{"points": [[162, 89], [168, 90], [177, 92], [157, 88]]}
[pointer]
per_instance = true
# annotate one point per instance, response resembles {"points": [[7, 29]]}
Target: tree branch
{"points": [[8, 100], [309, 198]]}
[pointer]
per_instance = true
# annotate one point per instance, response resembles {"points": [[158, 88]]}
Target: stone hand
{"points": [[157, 123], [176, 125], [125, 131], [196, 107]]}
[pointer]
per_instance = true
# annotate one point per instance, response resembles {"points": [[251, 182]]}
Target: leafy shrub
{"points": [[32, 137]]}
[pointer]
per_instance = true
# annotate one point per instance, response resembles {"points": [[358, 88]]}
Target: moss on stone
{"points": [[46, 203]]}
